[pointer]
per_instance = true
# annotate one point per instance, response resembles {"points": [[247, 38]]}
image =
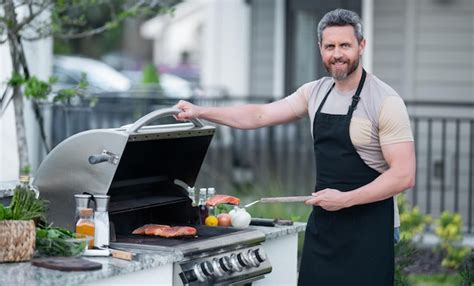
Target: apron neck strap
{"points": [[356, 97], [325, 97]]}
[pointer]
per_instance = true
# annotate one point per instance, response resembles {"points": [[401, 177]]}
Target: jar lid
{"points": [[24, 179], [86, 211]]}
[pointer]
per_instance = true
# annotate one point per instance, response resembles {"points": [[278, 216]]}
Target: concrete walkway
{"points": [[430, 239]]}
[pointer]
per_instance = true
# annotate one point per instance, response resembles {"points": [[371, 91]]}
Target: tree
{"points": [[65, 19]]}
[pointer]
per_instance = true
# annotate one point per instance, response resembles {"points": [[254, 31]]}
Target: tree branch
{"points": [[5, 100], [32, 16], [82, 34], [40, 119], [39, 35]]}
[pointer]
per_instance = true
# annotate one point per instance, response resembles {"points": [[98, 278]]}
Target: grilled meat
{"points": [[165, 230], [222, 199]]}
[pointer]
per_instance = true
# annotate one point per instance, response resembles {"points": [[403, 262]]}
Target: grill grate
{"points": [[203, 233]]}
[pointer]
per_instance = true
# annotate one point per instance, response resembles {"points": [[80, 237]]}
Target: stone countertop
{"points": [[26, 274], [274, 232]]}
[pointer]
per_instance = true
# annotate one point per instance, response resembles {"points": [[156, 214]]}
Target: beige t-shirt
{"points": [[380, 118]]}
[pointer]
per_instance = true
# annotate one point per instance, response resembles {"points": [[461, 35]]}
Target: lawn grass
{"points": [[435, 280]]}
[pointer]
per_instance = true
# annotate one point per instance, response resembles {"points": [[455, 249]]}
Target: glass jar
{"points": [[210, 193], [101, 221], [85, 226], [203, 211]]}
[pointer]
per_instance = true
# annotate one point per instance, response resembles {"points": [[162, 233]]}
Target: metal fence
{"points": [[280, 158]]}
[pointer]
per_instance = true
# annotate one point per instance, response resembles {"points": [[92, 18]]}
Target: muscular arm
{"points": [[248, 116], [399, 177]]}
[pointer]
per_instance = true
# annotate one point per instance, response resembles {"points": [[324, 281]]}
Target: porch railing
{"points": [[282, 156]]}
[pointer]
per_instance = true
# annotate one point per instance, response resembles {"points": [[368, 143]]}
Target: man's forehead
{"points": [[336, 32]]}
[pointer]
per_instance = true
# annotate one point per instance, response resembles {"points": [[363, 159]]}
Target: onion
{"points": [[224, 219], [240, 217]]}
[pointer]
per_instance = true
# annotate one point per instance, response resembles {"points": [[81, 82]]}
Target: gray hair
{"points": [[341, 17]]}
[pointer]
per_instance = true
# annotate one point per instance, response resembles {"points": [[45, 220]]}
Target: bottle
{"points": [[210, 193], [192, 195], [203, 211], [25, 184], [85, 225], [82, 201], [101, 220]]}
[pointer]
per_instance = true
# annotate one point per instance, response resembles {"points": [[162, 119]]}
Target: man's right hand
{"points": [[189, 111]]}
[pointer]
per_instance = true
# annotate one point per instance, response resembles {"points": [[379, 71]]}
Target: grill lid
{"points": [[131, 163]]}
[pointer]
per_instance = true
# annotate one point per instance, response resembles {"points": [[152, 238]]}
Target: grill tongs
{"points": [[291, 199]]}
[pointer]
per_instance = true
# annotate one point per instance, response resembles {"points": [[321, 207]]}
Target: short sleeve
{"points": [[298, 100], [394, 124]]}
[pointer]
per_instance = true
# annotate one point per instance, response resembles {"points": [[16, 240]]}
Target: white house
{"points": [[424, 49], [39, 58]]}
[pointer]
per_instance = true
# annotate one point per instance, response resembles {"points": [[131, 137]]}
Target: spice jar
{"points": [[85, 225], [101, 219]]}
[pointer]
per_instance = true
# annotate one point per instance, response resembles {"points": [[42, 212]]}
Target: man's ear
{"points": [[320, 49], [361, 47]]}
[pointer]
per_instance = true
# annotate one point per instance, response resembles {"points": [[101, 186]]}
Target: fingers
{"points": [[182, 104], [311, 202], [187, 110], [315, 200]]}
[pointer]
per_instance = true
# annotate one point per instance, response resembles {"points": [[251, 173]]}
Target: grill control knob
{"points": [[225, 264], [243, 259], [256, 257], [203, 270], [221, 265], [188, 276], [207, 268], [236, 265]]}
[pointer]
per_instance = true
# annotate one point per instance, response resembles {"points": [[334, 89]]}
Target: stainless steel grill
{"points": [[145, 170]]}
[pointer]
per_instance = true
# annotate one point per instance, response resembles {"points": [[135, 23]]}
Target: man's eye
{"points": [[345, 45]]}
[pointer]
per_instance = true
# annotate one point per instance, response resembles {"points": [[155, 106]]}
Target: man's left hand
{"points": [[329, 199]]}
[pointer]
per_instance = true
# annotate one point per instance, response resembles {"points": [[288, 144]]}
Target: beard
{"points": [[341, 74]]}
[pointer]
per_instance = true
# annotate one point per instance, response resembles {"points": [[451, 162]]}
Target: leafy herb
{"points": [[25, 205], [56, 241], [2, 212], [223, 208]]}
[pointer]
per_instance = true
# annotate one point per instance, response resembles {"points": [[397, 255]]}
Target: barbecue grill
{"points": [[146, 171]]}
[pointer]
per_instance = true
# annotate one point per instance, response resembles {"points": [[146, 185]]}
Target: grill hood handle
{"points": [[159, 113]]}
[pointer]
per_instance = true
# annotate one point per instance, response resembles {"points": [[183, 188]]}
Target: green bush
{"points": [[466, 270], [448, 229], [405, 251], [412, 221]]}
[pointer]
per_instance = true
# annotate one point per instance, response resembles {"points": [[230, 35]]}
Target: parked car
{"points": [[170, 85], [101, 77], [106, 81]]}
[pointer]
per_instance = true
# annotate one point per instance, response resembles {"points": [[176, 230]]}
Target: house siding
{"points": [[262, 33], [425, 49]]}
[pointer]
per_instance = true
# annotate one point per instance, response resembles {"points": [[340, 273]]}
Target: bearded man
{"points": [[364, 153]]}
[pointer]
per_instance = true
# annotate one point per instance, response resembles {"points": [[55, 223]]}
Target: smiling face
{"points": [[340, 51]]}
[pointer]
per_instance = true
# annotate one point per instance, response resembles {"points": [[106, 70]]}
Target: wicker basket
{"points": [[17, 240]]}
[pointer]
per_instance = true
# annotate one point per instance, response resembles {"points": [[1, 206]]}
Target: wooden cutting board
{"points": [[66, 263]]}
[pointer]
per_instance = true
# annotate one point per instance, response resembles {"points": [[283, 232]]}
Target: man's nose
{"points": [[337, 53]]}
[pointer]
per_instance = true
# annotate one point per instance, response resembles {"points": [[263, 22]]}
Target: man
{"points": [[364, 155]]}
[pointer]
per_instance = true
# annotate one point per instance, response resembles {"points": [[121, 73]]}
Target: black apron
{"points": [[352, 246]]}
